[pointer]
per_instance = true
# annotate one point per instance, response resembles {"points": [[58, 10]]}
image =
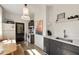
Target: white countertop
{"points": [[53, 38]]}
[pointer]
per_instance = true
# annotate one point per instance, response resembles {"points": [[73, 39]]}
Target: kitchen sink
{"points": [[64, 39]]}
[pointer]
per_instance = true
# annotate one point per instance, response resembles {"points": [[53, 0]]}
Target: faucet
{"points": [[65, 35]]}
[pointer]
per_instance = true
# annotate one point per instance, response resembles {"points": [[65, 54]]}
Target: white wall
{"points": [[72, 27], [49, 18], [0, 21], [40, 14]]}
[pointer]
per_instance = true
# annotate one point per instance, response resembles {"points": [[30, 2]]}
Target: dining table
{"points": [[9, 47]]}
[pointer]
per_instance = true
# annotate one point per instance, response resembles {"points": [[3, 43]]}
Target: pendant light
{"points": [[25, 13], [25, 10]]}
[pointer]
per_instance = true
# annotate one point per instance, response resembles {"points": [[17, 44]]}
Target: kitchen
{"points": [[60, 20]]}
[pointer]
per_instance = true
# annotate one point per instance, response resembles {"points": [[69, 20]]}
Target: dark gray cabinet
{"points": [[53, 47], [47, 46]]}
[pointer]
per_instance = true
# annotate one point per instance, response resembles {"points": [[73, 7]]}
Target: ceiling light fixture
{"points": [[25, 10], [25, 13]]}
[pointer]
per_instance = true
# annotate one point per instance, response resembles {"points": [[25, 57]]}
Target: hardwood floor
{"points": [[30, 47]]}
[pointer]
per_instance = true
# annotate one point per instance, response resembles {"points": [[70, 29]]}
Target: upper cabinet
{"points": [[9, 30], [8, 27]]}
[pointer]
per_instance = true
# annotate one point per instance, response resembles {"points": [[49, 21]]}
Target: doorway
{"points": [[19, 32]]}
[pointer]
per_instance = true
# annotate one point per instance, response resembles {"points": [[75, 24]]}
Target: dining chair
{"points": [[19, 51]]}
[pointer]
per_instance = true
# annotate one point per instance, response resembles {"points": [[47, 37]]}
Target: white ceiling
{"points": [[13, 8], [17, 8]]}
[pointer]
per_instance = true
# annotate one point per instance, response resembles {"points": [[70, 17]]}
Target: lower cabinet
{"points": [[47, 46], [53, 47]]}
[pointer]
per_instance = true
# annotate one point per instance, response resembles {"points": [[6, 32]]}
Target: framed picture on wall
{"points": [[39, 27], [60, 16]]}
